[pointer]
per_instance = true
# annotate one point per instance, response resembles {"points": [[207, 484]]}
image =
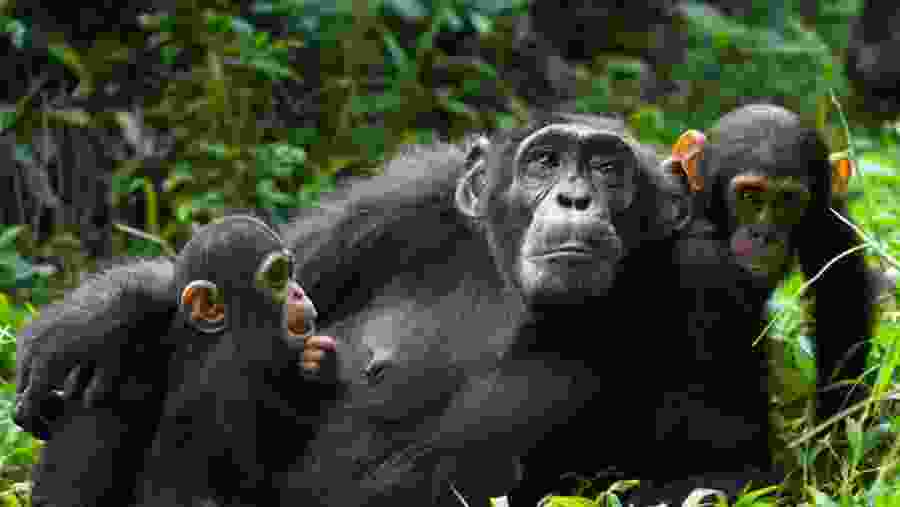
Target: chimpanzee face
{"points": [[238, 265], [274, 279], [764, 211], [552, 210], [573, 179]]}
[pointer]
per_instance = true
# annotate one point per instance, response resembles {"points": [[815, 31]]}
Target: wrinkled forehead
{"points": [[576, 133]]}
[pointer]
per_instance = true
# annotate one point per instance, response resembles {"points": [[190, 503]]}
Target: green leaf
{"points": [[7, 119], [452, 20], [242, 26], [216, 151], [208, 200], [24, 154], [270, 195], [271, 68], [481, 23], [570, 501], [302, 136], [750, 499], [820, 498], [9, 235], [15, 28], [169, 54], [409, 9], [398, 57], [219, 23], [855, 439], [168, 23]]}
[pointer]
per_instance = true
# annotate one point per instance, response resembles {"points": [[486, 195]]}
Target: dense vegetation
{"points": [[267, 104]]}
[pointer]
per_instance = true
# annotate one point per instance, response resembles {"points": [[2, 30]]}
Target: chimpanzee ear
{"points": [[201, 303], [470, 188], [842, 168], [686, 153]]}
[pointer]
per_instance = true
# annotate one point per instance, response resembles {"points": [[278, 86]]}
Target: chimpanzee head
{"points": [[765, 179], [236, 274], [564, 201]]}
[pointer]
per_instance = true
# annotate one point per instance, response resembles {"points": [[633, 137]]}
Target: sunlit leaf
{"points": [[8, 236], [569, 501]]}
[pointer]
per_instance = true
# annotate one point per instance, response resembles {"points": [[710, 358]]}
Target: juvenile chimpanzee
{"points": [[122, 327], [768, 189], [237, 293], [763, 188]]}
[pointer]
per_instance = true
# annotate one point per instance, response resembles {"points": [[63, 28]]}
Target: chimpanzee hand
{"points": [[319, 358], [39, 404]]}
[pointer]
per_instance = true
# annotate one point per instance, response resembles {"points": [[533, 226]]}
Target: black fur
{"points": [[105, 347], [472, 380], [772, 140]]}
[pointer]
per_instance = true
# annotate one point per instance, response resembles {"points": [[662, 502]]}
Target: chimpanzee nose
{"points": [[760, 234], [580, 203]]}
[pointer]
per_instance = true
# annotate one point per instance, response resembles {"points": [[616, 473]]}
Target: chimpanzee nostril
{"points": [[582, 203]]}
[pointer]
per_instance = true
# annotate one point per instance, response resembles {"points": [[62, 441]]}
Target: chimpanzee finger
{"points": [[75, 384], [36, 415], [313, 355], [98, 390], [310, 367], [320, 342]]}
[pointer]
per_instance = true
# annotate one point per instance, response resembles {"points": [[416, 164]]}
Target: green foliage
{"points": [[832, 21], [772, 55], [16, 272], [17, 448], [379, 79]]}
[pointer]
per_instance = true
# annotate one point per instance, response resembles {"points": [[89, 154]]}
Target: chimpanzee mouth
{"points": [[301, 331], [570, 251]]}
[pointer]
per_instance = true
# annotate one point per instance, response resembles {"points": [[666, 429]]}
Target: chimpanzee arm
{"points": [[844, 299], [98, 337]]}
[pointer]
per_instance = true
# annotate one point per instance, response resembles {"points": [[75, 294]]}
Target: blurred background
{"points": [[124, 124]]}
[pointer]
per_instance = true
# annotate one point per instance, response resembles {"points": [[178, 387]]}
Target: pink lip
{"points": [[742, 247]]}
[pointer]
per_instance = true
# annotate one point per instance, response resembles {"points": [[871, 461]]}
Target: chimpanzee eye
{"points": [[612, 171], [541, 163], [792, 198], [604, 166], [750, 196], [275, 271]]}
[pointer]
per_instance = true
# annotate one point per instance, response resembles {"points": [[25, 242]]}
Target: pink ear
{"points": [[686, 151], [842, 168]]}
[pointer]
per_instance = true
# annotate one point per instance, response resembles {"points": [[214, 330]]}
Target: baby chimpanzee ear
{"points": [[842, 169], [470, 187], [686, 153], [201, 304]]}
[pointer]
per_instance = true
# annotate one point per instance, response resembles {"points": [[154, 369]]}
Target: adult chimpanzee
{"points": [[101, 423], [578, 218]]}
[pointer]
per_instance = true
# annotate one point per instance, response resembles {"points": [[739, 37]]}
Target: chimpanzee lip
{"points": [[569, 250]]}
